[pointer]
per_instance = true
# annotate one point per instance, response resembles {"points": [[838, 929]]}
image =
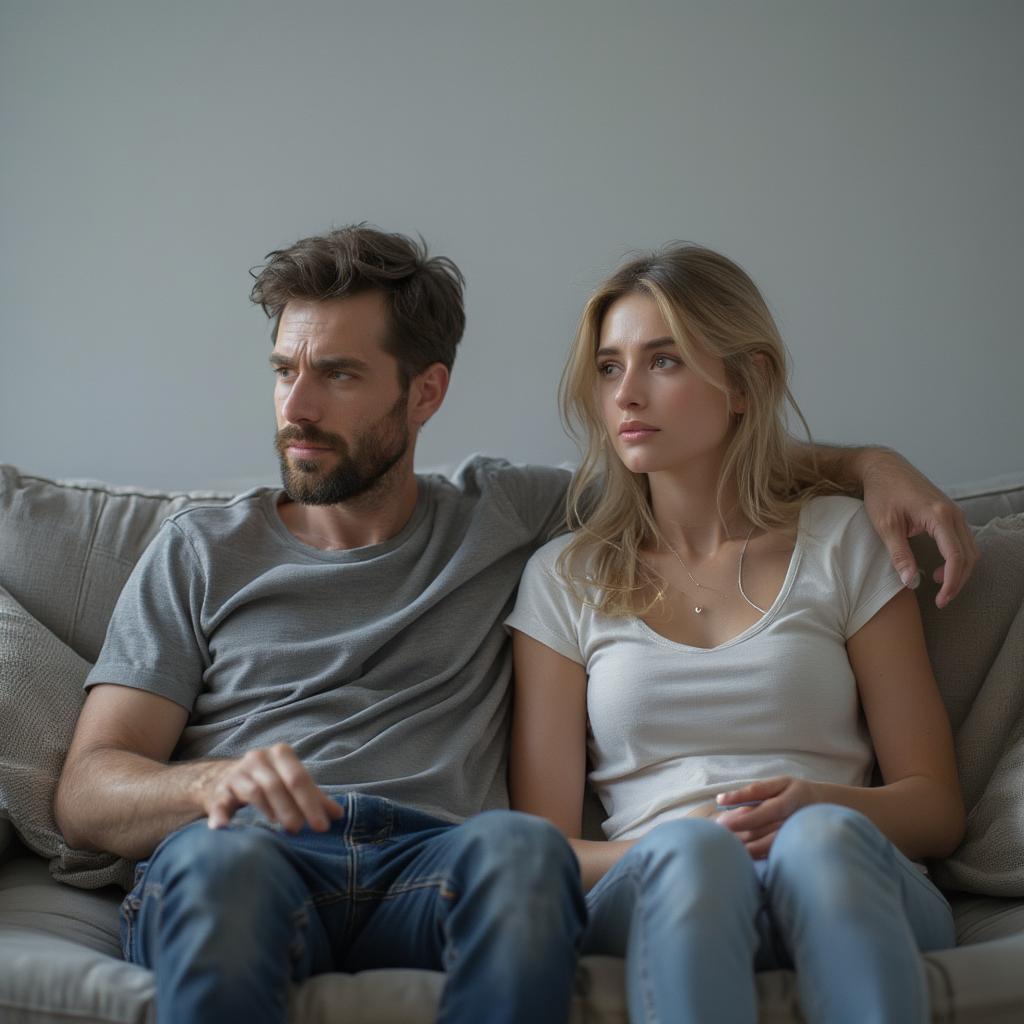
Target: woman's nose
{"points": [[629, 393]]}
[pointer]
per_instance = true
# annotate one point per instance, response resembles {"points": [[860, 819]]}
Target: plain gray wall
{"points": [[863, 160]]}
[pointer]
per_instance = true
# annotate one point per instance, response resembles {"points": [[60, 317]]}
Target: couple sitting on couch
{"points": [[329, 667]]}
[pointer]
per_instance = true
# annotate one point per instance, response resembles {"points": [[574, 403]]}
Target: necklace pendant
{"points": [[698, 610]]}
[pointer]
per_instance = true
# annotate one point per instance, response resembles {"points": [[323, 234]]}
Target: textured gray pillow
{"points": [[976, 647], [40, 698]]}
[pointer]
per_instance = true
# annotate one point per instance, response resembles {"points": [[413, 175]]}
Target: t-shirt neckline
{"points": [[759, 624], [273, 496]]}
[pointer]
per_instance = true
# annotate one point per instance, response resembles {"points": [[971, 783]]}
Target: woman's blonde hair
{"points": [[709, 304]]}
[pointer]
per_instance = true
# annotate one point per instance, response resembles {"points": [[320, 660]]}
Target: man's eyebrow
{"points": [[321, 363], [666, 342]]}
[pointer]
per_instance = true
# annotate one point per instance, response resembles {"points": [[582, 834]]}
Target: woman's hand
{"points": [[772, 802]]}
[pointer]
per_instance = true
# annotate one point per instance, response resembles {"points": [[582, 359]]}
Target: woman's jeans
{"points": [[228, 918], [695, 916]]}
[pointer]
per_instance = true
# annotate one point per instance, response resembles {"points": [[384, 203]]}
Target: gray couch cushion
{"points": [[66, 549], [40, 697], [59, 953]]}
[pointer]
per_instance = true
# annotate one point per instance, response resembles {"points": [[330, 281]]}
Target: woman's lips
{"points": [[637, 433]]}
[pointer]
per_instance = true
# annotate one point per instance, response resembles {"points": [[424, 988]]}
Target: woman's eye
{"points": [[606, 369], [663, 362]]}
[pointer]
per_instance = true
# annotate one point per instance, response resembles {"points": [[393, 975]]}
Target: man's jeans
{"points": [[695, 916], [228, 918]]}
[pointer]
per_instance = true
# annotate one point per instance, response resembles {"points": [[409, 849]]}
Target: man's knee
{"points": [[508, 842], [217, 863], [520, 870]]}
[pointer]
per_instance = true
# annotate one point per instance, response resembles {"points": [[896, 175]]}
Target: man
{"points": [[300, 711]]}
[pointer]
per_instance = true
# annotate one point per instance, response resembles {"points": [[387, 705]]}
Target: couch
{"points": [[65, 551]]}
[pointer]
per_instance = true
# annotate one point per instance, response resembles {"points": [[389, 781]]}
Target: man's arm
{"points": [[118, 793], [901, 503]]}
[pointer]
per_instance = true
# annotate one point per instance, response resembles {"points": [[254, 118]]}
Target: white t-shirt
{"points": [[670, 725]]}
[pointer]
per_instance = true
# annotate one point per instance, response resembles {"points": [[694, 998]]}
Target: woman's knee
{"points": [[833, 855], [690, 840], [825, 831]]}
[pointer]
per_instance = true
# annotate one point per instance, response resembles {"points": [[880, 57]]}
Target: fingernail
{"points": [[911, 580]]}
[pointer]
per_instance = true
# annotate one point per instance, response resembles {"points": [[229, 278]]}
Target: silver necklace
{"points": [[698, 609]]}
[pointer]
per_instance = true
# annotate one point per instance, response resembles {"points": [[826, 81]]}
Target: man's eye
{"points": [[282, 372], [338, 375]]}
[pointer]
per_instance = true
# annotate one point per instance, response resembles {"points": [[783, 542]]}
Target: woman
{"points": [[730, 650]]}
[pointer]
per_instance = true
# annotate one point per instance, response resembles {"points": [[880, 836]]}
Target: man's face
{"points": [[342, 419]]}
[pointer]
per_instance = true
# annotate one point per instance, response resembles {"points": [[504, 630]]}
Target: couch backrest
{"points": [[66, 549]]}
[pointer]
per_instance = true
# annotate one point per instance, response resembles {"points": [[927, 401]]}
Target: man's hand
{"points": [[901, 503], [272, 779], [773, 801]]}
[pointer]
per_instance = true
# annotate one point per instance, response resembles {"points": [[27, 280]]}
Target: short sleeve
{"points": [[546, 608], [869, 578], [154, 641], [537, 493]]}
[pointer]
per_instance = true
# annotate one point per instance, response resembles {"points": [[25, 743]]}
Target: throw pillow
{"points": [[977, 650], [40, 697]]}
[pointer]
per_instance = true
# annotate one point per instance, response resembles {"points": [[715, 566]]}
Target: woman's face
{"points": [[660, 415]]}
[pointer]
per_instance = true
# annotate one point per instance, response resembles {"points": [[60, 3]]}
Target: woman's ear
{"points": [[738, 393]]}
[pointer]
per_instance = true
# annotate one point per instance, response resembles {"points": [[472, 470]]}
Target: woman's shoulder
{"points": [[548, 561], [548, 554], [829, 515]]}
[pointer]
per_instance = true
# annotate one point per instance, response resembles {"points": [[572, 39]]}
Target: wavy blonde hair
{"points": [[710, 305]]}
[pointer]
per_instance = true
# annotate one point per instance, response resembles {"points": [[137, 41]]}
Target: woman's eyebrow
{"points": [[611, 350]]}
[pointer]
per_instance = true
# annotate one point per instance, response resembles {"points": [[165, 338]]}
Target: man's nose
{"points": [[301, 404]]}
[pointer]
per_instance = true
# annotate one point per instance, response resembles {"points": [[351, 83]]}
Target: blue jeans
{"points": [[695, 917], [227, 919]]}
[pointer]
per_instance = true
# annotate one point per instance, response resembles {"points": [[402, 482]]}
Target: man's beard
{"points": [[374, 454]]}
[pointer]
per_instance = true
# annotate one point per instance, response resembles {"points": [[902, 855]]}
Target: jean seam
{"points": [[442, 882], [300, 922], [650, 1012], [628, 874], [130, 907]]}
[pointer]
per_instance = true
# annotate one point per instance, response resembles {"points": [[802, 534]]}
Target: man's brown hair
{"points": [[423, 293]]}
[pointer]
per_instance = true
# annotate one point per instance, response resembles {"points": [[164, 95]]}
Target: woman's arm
{"points": [[919, 807], [901, 503], [547, 767]]}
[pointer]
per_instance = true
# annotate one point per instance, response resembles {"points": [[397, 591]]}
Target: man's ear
{"points": [[426, 393]]}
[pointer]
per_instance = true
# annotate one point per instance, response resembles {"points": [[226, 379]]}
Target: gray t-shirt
{"points": [[385, 667]]}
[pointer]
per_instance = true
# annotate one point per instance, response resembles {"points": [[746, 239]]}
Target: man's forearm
{"points": [[841, 465], [124, 803]]}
